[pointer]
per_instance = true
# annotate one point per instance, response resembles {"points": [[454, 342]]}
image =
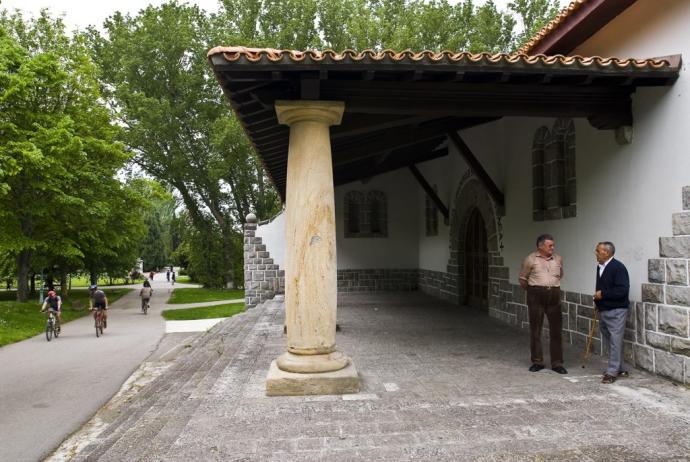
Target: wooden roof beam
{"points": [[429, 190], [477, 168]]}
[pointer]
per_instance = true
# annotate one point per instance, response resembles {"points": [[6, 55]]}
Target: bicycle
{"points": [[52, 326], [98, 316], [145, 307]]}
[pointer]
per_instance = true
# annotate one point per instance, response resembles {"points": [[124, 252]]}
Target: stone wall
{"points": [[657, 335], [263, 279], [371, 280]]}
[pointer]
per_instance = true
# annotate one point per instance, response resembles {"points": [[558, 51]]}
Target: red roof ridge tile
{"points": [[235, 53], [552, 25]]}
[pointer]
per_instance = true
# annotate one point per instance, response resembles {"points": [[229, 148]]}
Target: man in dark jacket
{"points": [[611, 299]]}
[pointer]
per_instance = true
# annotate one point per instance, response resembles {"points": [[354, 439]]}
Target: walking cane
{"points": [[588, 347]]}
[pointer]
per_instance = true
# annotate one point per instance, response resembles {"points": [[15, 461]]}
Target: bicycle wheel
{"points": [[146, 307], [49, 331], [56, 330], [99, 330]]}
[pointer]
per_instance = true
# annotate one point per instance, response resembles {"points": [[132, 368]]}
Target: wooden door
{"points": [[476, 262]]}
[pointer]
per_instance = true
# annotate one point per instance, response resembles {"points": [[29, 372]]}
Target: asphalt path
{"points": [[48, 390]]}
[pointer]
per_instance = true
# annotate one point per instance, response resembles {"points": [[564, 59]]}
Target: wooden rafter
{"points": [[477, 168], [429, 191]]}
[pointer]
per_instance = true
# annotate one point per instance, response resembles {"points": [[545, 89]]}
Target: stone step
{"points": [[154, 418], [674, 247], [686, 198], [681, 224]]}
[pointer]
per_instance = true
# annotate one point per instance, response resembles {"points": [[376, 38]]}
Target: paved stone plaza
{"points": [[438, 383]]}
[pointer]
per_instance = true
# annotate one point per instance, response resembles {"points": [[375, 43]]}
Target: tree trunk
{"points": [[33, 283], [93, 277], [228, 264], [63, 284], [23, 260]]}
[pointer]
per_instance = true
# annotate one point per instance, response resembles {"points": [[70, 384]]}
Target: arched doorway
{"points": [[476, 262]]}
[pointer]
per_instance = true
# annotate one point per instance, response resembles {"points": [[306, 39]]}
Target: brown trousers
{"points": [[542, 301]]}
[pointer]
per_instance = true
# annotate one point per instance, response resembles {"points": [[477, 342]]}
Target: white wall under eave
{"points": [[647, 29], [625, 194], [272, 235], [446, 173], [399, 249]]}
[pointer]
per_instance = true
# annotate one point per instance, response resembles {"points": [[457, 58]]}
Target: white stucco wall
{"points": [[272, 234], [399, 249], [446, 174]]}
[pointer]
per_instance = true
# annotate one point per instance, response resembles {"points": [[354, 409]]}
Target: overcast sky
{"points": [[81, 13]]}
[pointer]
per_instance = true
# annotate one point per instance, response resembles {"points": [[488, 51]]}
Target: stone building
{"points": [[436, 172]]}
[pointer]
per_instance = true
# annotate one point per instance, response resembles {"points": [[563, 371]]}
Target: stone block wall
{"points": [[263, 279], [657, 335], [372, 280], [438, 284]]}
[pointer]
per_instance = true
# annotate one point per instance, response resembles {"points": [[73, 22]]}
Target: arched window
{"points": [[553, 172], [354, 200], [376, 206], [365, 215], [538, 143], [431, 215]]}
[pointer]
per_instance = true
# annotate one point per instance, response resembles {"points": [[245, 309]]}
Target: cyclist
{"points": [[145, 294], [98, 301], [53, 302]]}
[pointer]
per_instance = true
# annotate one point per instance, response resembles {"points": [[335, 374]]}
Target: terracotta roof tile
{"points": [[271, 55], [551, 26]]}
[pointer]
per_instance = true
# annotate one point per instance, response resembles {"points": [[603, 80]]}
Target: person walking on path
{"points": [[145, 293], [172, 277], [541, 275], [611, 300], [167, 274]]}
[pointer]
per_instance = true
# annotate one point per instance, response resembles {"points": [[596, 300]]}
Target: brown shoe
{"points": [[608, 379]]}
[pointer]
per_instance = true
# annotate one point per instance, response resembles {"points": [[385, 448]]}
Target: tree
{"points": [[534, 15], [156, 247], [57, 138], [156, 75]]}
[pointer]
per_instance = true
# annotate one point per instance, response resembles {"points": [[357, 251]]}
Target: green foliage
{"points": [[61, 205], [378, 24], [193, 295], [156, 247], [155, 72], [204, 312], [534, 15]]}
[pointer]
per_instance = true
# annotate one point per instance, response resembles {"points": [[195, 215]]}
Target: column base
{"points": [[281, 383]]}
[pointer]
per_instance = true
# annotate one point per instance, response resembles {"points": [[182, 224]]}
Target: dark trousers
{"points": [[545, 301]]}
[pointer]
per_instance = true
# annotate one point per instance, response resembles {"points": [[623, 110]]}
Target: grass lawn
{"points": [[185, 279], [83, 281], [19, 321], [204, 312], [193, 295]]}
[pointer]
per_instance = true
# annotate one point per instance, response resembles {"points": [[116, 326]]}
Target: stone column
{"points": [[311, 364]]}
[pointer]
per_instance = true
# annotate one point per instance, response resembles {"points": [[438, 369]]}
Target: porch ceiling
{"points": [[399, 106]]}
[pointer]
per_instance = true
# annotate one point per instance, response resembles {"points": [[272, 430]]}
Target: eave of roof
{"points": [[573, 25], [268, 56], [399, 106]]}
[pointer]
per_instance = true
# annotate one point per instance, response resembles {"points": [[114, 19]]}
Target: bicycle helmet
{"points": [[93, 286]]}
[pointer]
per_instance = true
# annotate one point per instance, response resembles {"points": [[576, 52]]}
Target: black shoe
{"points": [[560, 370], [536, 367]]}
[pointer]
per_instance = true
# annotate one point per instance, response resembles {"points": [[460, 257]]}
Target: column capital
{"points": [[327, 112]]}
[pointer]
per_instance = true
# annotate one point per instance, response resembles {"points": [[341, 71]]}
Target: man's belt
{"points": [[544, 287]]}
